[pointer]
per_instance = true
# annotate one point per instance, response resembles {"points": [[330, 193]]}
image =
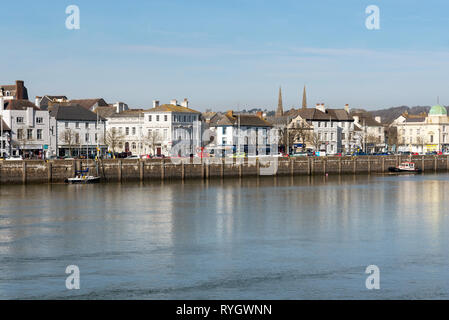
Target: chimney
{"points": [[20, 89], [230, 113], [2, 104], [174, 102], [378, 119], [37, 102], [155, 103], [356, 119], [321, 107], [185, 103], [260, 114], [347, 108]]}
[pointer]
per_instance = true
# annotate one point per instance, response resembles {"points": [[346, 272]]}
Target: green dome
{"points": [[438, 111]]}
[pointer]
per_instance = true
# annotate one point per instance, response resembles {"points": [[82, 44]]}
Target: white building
{"points": [[169, 129], [423, 133], [247, 133], [76, 131], [372, 132], [30, 128]]}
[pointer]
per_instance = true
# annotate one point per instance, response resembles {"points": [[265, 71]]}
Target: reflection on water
{"points": [[261, 238]]}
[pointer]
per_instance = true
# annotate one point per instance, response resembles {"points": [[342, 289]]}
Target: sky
{"points": [[232, 54]]}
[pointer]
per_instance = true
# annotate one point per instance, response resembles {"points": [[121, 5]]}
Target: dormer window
{"points": [[8, 93]]}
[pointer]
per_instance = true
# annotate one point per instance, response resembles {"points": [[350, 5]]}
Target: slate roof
{"points": [[19, 105], [89, 103], [171, 108], [72, 113], [5, 126], [128, 113], [245, 120], [313, 114]]}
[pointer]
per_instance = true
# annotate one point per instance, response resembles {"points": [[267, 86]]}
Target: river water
{"points": [[259, 238]]}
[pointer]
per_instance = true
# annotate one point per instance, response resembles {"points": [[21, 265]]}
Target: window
{"points": [[184, 118], [165, 118], [127, 131], [157, 118], [133, 145], [165, 134], [96, 137], [96, 125], [19, 119], [86, 137], [175, 118], [66, 125], [20, 134], [134, 131], [39, 120], [77, 137], [39, 134], [87, 125], [431, 138], [77, 125], [224, 130], [150, 118], [29, 134]]}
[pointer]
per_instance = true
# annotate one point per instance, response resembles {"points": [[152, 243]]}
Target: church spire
{"points": [[280, 109], [304, 99]]}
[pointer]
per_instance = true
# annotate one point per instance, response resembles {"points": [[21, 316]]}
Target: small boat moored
{"points": [[81, 177], [405, 167]]}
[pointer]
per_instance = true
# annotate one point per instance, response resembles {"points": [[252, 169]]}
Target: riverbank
{"points": [[118, 170]]}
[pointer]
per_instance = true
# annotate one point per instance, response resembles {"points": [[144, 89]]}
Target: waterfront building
{"points": [[29, 128], [76, 131], [5, 134], [373, 133], [240, 132], [168, 129], [424, 132], [173, 129], [333, 129]]}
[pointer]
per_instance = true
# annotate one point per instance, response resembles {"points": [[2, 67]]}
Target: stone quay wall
{"points": [[121, 170]]}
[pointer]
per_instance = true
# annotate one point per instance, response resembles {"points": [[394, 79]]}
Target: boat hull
{"points": [[83, 181], [398, 170]]}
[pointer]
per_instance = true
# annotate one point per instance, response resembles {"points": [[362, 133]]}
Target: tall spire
{"points": [[280, 109], [304, 99]]}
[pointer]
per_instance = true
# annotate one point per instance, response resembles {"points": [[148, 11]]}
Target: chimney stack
{"points": [[155, 103], [321, 107], [260, 114], [37, 102], [20, 90], [230, 113], [174, 102], [347, 108], [185, 103], [378, 119]]}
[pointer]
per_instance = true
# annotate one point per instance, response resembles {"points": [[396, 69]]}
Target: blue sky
{"points": [[231, 54]]}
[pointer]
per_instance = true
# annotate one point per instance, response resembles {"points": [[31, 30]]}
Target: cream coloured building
{"points": [[424, 133]]}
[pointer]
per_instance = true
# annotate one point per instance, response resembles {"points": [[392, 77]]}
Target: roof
{"points": [[89, 103], [313, 114], [245, 120], [416, 119], [5, 126], [19, 105], [438, 111], [105, 111], [171, 108], [366, 119], [72, 112], [128, 113]]}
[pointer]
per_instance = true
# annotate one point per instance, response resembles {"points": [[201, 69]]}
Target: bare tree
{"points": [[420, 141], [113, 139], [152, 139], [316, 141], [22, 140], [302, 132], [68, 138]]}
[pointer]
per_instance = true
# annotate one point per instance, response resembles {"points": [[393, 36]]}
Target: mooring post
{"points": [[24, 172], [49, 171], [141, 169], [162, 169], [435, 164], [309, 166], [292, 168], [369, 165], [383, 164], [339, 165], [354, 160], [182, 170], [222, 167], [119, 170]]}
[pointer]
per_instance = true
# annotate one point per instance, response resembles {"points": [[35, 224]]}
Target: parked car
{"points": [[237, 155], [132, 157]]}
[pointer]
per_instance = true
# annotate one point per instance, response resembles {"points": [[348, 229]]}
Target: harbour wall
{"points": [[121, 170]]}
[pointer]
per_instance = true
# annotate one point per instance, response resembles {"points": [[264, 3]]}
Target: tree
{"points": [[152, 139], [302, 132], [420, 141], [113, 139], [22, 140], [68, 138], [316, 141]]}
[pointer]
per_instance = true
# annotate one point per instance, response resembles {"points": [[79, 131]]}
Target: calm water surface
{"points": [[266, 238]]}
